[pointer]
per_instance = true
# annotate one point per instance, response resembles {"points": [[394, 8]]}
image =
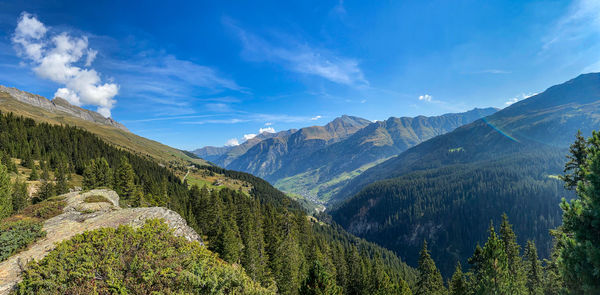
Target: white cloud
{"points": [[268, 124], [582, 19], [426, 97], [249, 136], [301, 58], [315, 118], [268, 130], [519, 98], [56, 57], [363, 101], [232, 142]]}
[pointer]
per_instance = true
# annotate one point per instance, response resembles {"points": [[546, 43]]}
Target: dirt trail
{"points": [[79, 217]]}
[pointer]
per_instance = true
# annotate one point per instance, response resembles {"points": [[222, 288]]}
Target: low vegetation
{"points": [[149, 260], [17, 235], [96, 199]]}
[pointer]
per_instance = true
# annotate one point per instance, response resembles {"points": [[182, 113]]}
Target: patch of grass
{"points": [[96, 199], [41, 211], [18, 235]]}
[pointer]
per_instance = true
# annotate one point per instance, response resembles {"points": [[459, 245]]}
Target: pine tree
{"points": [[45, 191], [458, 283], [6, 206], [124, 179], [89, 176], [319, 282], [491, 266], [45, 170], [581, 226], [516, 275], [577, 158], [8, 162], [553, 283], [102, 172], [533, 270], [430, 280], [19, 195], [229, 243], [62, 186], [34, 175]]}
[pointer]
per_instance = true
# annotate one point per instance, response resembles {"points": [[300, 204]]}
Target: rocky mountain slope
{"points": [[316, 162], [79, 216], [59, 111]]}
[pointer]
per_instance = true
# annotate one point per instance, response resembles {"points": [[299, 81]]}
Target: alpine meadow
{"points": [[300, 148]]}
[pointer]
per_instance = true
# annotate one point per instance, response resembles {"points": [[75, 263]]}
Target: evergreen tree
{"points": [[6, 206], [125, 179], [577, 158], [553, 282], [491, 267], [62, 186], [533, 270], [19, 195], [458, 283], [45, 170], [89, 176], [45, 191], [229, 244], [319, 282], [103, 173], [34, 175], [516, 275], [430, 280], [8, 162], [581, 226]]}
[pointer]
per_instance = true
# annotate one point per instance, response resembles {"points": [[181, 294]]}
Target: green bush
{"points": [[17, 235], [150, 260], [44, 210]]}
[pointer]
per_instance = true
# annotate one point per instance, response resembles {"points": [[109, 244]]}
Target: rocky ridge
{"points": [[78, 217], [60, 105]]}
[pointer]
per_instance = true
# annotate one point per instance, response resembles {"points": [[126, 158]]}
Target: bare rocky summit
{"points": [[60, 105], [79, 216]]}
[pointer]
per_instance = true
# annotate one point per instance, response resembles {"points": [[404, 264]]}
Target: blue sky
{"points": [[197, 73]]}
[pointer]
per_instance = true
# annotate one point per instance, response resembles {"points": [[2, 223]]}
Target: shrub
{"points": [[17, 235], [150, 260], [44, 210], [96, 199]]}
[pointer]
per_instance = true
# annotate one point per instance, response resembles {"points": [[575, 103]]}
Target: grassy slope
{"points": [[118, 137]]}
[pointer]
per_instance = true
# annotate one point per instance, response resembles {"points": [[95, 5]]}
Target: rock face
{"points": [[78, 217], [58, 105]]}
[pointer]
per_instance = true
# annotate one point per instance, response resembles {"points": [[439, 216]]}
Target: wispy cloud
{"points": [[581, 20], [315, 118], [232, 142], [64, 59], [299, 57], [493, 71]]}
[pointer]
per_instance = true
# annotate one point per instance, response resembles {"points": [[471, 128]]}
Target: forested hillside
{"points": [[445, 189], [270, 235]]}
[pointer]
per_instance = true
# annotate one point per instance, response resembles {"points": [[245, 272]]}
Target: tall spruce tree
{"points": [[533, 270], [103, 173], [6, 204], [458, 282], [516, 275], [319, 282], [19, 195], [491, 266], [580, 254], [577, 160], [430, 280], [125, 179], [34, 174]]}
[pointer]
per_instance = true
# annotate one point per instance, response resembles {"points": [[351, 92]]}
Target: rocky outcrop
{"points": [[60, 105], [80, 216]]}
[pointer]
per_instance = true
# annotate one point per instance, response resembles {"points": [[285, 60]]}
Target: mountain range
{"points": [[446, 190], [316, 162]]}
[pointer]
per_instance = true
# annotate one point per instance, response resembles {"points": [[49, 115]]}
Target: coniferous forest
{"points": [[285, 250], [268, 234]]}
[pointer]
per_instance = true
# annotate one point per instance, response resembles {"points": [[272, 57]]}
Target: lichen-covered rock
{"points": [[78, 217]]}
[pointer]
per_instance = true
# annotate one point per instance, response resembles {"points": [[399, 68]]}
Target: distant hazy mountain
{"points": [[317, 161], [448, 188]]}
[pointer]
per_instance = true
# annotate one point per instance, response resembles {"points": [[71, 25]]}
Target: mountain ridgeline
{"points": [[269, 235], [307, 162], [446, 189]]}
